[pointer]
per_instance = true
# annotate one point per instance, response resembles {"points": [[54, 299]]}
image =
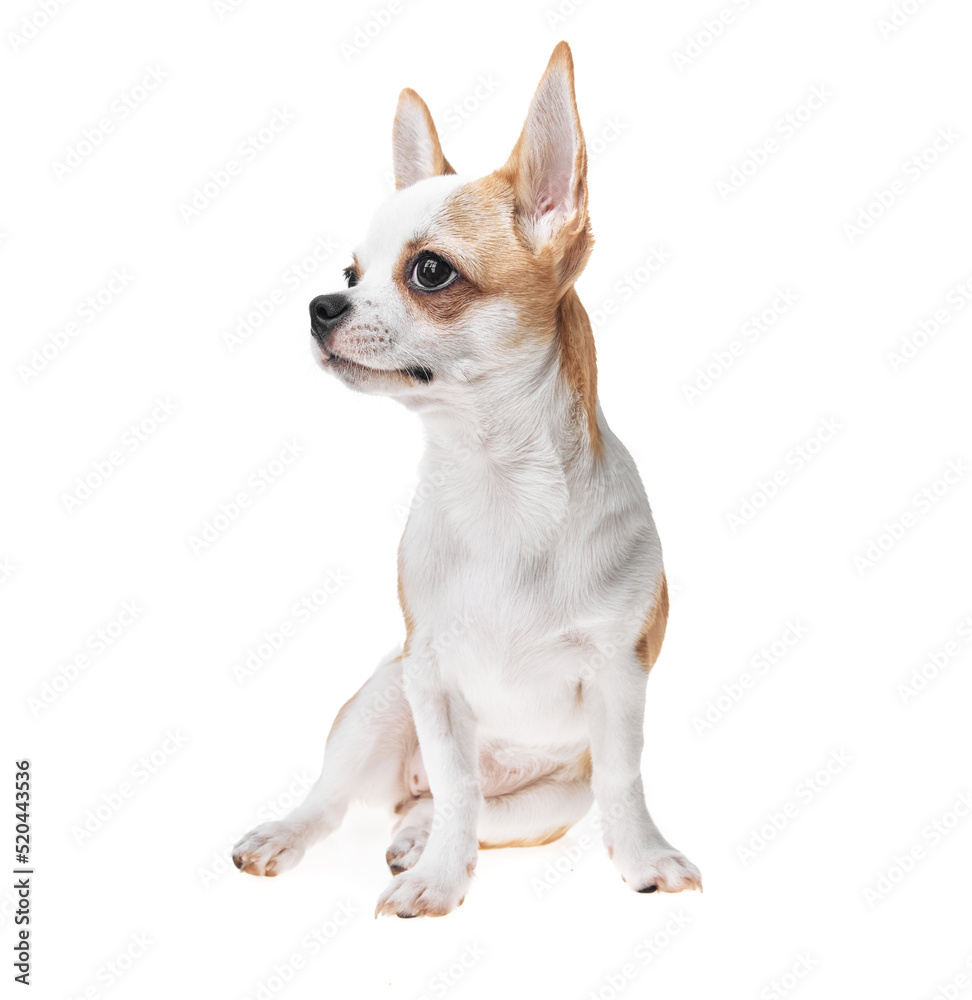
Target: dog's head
{"points": [[459, 279]]}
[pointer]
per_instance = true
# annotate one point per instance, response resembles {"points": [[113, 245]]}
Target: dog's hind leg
{"points": [[371, 740], [536, 814]]}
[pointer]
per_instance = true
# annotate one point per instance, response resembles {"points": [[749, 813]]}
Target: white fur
{"points": [[527, 569]]}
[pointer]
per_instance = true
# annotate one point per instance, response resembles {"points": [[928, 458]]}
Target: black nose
{"points": [[325, 311]]}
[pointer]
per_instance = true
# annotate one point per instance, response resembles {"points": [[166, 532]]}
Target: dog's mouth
{"points": [[336, 362]]}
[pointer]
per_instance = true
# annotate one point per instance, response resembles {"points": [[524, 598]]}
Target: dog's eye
{"points": [[431, 271], [351, 276]]}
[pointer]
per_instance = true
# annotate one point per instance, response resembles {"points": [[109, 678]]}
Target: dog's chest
{"points": [[519, 572]]}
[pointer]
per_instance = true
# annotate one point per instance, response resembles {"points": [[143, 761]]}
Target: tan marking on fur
{"points": [[476, 232], [574, 241], [355, 267], [585, 765], [539, 841], [406, 614], [649, 643], [439, 164], [578, 362], [485, 231], [342, 711]]}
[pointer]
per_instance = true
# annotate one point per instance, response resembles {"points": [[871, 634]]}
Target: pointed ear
{"points": [[548, 165], [416, 153]]}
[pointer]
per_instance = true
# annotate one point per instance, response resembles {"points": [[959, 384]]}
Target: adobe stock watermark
{"points": [[926, 330], [749, 334], [898, 16], [455, 972], [912, 170], [116, 968], [600, 139], [805, 792], [261, 309], [734, 691], [951, 989], [132, 439], [373, 704], [586, 839], [625, 288], [459, 112], [247, 151], [93, 136], [587, 835], [648, 951], [139, 774], [256, 485], [784, 129], [931, 837], [430, 484], [923, 502], [32, 24], [793, 977], [796, 460], [311, 945], [273, 639], [223, 8], [708, 33], [934, 663], [85, 313], [96, 643], [558, 14], [7, 570], [274, 808], [372, 27]]}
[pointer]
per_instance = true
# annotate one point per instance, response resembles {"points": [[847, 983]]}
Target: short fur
{"points": [[530, 577]]}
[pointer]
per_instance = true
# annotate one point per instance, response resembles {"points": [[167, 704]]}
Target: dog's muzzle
{"points": [[326, 311]]}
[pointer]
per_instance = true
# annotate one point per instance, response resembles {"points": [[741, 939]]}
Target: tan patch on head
{"points": [[649, 643], [476, 232], [539, 841]]}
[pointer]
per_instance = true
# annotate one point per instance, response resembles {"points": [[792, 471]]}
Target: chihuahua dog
{"points": [[530, 576]]}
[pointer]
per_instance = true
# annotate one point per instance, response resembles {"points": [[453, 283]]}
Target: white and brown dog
{"points": [[530, 576]]}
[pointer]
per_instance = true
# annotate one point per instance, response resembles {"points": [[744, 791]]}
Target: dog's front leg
{"points": [[446, 732], [615, 704]]}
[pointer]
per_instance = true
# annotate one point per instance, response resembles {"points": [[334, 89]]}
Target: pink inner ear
{"points": [[555, 195], [548, 153]]}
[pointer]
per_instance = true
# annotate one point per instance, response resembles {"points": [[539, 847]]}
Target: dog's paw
{"points": [[422, 893], [661, 870], [406, 849], [269, 849]]}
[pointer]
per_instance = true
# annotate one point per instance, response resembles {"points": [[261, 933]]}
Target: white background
{"points": [[664, 131]]}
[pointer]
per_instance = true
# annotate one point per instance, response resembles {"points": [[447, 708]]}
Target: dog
{"points": [[530, 575]]}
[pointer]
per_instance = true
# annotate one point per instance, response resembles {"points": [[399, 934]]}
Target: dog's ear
{"points": [[548, 169], [416, 152]]}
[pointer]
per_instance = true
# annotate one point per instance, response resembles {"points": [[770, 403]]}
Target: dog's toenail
{"points": [[407, 916], [649, 888]]}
